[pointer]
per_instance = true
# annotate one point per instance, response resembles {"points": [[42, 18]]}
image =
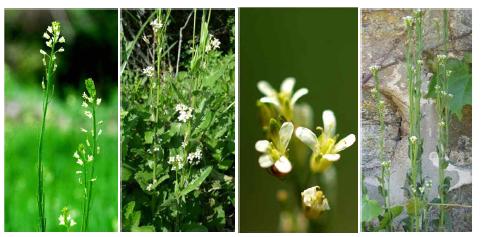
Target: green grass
{"points": [[62, 137]]}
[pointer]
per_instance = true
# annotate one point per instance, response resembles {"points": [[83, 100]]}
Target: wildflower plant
{"points": [[53, 41], [177, 126], [414, 64], [282, 120], [87, 152]]}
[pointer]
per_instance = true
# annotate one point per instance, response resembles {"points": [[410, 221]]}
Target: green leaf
{"points": [[197, 182], [414, 206], [370, 209], [126, 174], [194, 228], [148, 137], [388, 216], [459, 84]]}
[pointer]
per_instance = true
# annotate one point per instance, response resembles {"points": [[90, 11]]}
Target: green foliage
{"points": [[178, 139], [370, 209], [459, 84]]}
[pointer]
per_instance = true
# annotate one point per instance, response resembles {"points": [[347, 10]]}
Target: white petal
{"points": [[266, 88], [287, 85], [329, 122], [307, 137], [298, 94], [331, 157], [285, 133], [270, 100], [283, 165], [262, 146], [265, 161], [344, 143]]}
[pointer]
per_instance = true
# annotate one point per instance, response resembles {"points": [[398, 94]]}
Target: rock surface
{"points": [[383, 38]]}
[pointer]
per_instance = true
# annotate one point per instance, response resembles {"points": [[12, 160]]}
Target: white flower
{"points": [[90, 158], [49, 29], [62, 40], [43, 52], [185, 112], [325, 147], [314, 202], [213, 43], [148, 71], [176, 162], [78, 172], [65, 219], [374, 69], [93, 180], [84, 104], [408, 20], [61, 220], [441, 58], [284, 100], [80, 162], [156, 25], [274, 154], [61, 50], [98, 101], [195, 157], [413, 139], [88, 114], [184, 144], [99, 132], [84, 95], [83, 130], [76, 155], [149, 187]]}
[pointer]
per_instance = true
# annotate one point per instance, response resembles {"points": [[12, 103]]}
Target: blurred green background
{"points": [[319, 48], [90, 51]]}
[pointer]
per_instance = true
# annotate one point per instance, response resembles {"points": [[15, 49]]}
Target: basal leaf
{"points": [[370, 209]]}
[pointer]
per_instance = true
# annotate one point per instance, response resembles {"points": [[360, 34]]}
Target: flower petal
{"points": [[270, 100], [283, 165], [307, 137], [331, 157], [344, 143], [285, 133], [329, 122], [262, 145], [265, 161], [298, 94], [288, 85], [266, 88]]}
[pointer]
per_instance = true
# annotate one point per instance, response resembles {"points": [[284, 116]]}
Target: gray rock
{"points": [[382, 44]]}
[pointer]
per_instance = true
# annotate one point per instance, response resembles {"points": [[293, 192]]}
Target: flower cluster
{"points": [[185, 112], [156, 25], [213, 44], [148, 71], [65, 219], [314, 202], [52, 37], [176, 161], [325, 147], [194, 157]]}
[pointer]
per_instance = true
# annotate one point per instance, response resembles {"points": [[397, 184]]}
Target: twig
{"points": [[180, 42]]}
